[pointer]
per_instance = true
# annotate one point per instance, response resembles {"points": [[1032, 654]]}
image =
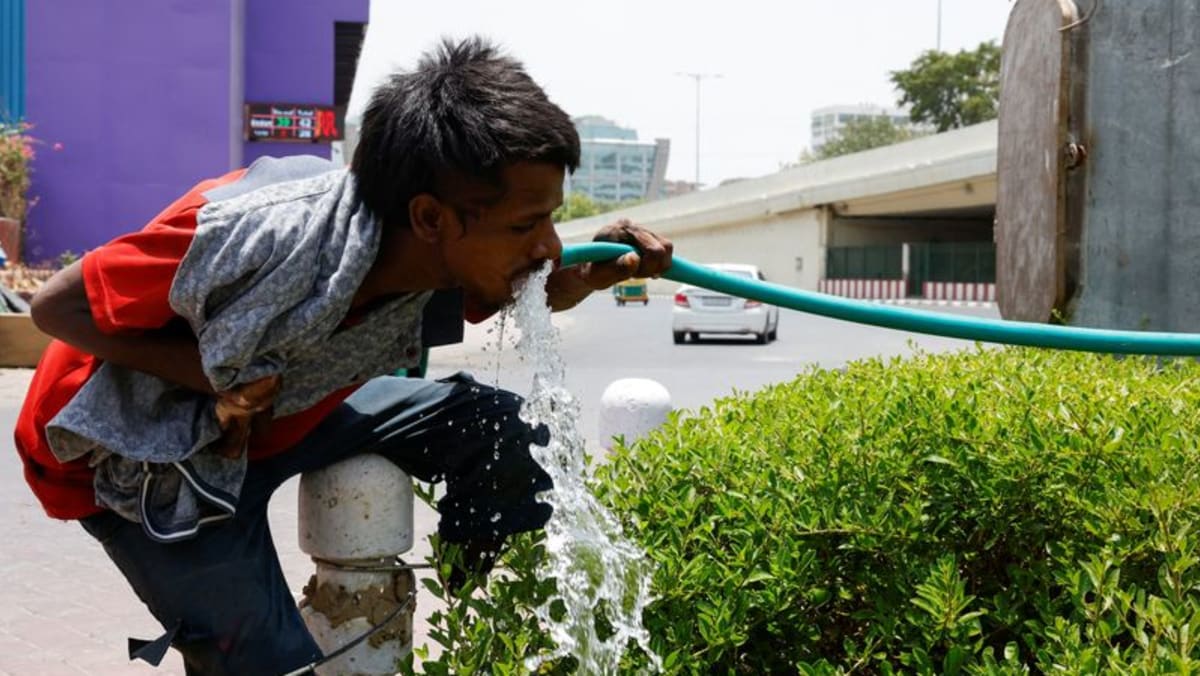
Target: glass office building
{"points": [[614, 166]]}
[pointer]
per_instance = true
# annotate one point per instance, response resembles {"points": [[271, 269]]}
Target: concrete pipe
{"points": [[356, 518], [632, 407]]}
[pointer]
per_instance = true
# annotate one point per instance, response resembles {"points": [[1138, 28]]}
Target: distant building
{"points": [[614, 166], [675, 188], [828, 122]]}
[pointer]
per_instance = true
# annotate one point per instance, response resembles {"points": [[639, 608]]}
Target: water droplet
{"points": [[495, 517]]}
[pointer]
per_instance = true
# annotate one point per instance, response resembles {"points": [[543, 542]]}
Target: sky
{"points": [[778, 60]]}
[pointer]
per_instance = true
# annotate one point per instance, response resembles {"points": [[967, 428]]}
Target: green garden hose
{"points": [[938, 324]]}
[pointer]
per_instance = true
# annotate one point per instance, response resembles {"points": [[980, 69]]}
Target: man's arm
{"points": [[61, 310], [567, 287]]}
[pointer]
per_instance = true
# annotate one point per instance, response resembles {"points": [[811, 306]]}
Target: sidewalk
{"points": [[65, 609]]}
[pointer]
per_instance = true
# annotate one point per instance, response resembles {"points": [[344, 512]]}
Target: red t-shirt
{"points": [[127, 282]]}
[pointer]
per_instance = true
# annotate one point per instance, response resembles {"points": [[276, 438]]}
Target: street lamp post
{"points": [[698, 77], [939, 26]]}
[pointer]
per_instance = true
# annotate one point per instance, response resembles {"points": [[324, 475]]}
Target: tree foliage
{"points": [[863, 134], [576, 205], [581, 205], [952, 90]]}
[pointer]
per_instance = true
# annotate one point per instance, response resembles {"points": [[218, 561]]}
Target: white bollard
{"points": [[631, 407], [356, 517]]}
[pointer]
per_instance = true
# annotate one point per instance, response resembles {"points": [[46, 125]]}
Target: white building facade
{"points": [[828, 122]]}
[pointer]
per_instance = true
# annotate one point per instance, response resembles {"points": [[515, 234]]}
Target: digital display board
{"points": [[293, 122]]}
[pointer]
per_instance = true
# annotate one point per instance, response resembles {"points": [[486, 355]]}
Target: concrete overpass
{"points": [[939, 188]]}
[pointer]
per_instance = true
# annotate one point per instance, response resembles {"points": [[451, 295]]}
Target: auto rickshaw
{"points": [[631, 291]]}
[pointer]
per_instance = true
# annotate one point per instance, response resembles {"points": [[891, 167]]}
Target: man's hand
{"points": [[239, 408], [651, 258], [566, 287]]}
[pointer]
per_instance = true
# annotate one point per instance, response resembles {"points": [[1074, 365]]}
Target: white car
{"points": [[701, 311]]}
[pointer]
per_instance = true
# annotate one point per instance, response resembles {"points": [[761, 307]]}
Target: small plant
{"points": [[488, 626], [66, 258], [16, 158]]}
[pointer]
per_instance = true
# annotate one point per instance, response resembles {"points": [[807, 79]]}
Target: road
{"points": [[601, 342], [64, 609]]}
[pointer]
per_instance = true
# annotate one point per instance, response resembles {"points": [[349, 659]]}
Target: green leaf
{"points": [[759, 576]]}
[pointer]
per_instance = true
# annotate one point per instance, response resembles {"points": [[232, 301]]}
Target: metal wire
{"points": [[346, 647], [381, 567]]}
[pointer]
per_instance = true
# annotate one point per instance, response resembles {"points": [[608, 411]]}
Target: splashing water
{"points": [[601, 574]]}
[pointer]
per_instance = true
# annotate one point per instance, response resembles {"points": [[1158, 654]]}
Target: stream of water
{"points": [[603, 577]]}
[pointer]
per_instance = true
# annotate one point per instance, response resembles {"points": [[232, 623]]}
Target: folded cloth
{"points": [[265, 286]]}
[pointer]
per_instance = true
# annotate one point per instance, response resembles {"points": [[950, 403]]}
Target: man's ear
{"points": [[425, 213]]}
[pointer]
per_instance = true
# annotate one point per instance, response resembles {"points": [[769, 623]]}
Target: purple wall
{"points": [[145, 97], [278, 34], [137, 93]]}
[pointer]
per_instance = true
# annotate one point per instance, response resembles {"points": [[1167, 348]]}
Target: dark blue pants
{"points": [[223, 594]]}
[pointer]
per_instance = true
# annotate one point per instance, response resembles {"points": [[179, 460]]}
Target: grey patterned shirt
{"points": [[265, 285]]}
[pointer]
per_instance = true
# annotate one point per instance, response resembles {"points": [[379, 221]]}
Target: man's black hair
{"points": [[467, 109]]}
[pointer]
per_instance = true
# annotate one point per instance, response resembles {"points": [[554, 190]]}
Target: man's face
{"points": [[503, 238]]}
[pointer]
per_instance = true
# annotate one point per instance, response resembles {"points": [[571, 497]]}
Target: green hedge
{"points": [[993, 511]]}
